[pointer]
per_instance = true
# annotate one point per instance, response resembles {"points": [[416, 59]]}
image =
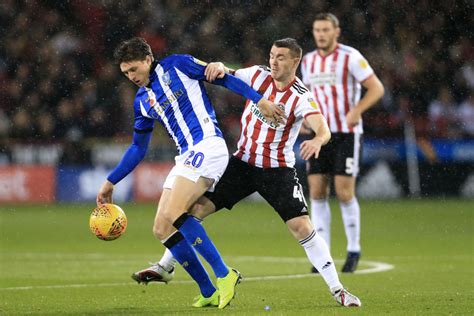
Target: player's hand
{"points": [[310, 148], [353, 117], [214, 70], [105, 193], [272, 112]]}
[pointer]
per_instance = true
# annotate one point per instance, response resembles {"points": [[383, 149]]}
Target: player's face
{"points": [[325, 34], [137, 71], [282, 63]]}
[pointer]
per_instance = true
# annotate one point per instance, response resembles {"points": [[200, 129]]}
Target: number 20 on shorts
{"points": [[194, 159]]}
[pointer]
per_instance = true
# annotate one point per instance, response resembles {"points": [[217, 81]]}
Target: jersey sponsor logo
{"points": [[166, 78], [171, 98], [256, 111], [200, 62], [323, 79], [160, 107]]}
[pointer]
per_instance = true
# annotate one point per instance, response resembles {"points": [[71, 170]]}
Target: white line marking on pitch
{"points": [[374, 267]]}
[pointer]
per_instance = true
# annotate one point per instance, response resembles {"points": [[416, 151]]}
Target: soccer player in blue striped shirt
{"points": [[172, 92]]}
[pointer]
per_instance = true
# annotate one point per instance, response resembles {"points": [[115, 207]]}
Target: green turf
{"points": [[51, 264]]}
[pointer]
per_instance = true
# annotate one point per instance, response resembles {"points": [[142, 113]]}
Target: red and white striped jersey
{"points": [[261, 143], [334, 80]]}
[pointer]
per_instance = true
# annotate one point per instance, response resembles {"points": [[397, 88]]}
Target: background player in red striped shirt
{"points": [[334, 73], [264, 158]]}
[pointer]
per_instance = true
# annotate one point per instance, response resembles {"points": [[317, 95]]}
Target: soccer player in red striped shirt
{"points": [[264, 158], [334, 73]]}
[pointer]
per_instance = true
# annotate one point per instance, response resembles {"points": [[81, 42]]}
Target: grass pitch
{"points": [[50, 263]]}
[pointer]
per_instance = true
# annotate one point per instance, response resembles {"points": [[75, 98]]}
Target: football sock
{"points": [[195, 235], [167, 261], [187, 257], [318, 254], [351, 218], [321, 218]]}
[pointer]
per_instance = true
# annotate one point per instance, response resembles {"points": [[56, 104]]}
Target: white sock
{"points": [[351, 218], [321, 218], [168, 262], [318, 254]]}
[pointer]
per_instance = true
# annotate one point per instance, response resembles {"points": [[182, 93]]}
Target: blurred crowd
{"points": [[59, 83]]}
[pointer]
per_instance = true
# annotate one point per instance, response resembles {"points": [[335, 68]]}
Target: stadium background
{"points": [[65, 120], [65, 106]]}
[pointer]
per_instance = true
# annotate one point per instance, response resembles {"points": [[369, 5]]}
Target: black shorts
{"points": [[340, 156], [278, 186]]}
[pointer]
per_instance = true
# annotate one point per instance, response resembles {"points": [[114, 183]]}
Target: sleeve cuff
{"points": [[311, 113]]}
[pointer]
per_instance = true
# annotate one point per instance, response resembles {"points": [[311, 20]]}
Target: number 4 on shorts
{"points": [[298, 193]]}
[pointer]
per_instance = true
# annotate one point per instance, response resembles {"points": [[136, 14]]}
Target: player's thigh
{"points": [[237, 182], [184, 194], [345, 187], [281, 189], [318, 186]]}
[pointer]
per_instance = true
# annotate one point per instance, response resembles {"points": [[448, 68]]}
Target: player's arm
{"points": [[132, 157], [219, 74], [361, 70], [311, 147]]}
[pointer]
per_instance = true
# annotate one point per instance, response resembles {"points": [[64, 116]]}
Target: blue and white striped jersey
{"points": [[176, 97]]}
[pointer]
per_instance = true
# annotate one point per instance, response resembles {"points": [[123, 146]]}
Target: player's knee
{"points": [[198, 210], [318, 192], [344, 195], [159, 232], [300, 227], [170, 215], [162, 228], [202, 208]]}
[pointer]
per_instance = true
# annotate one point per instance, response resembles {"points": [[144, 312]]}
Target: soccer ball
{"points": [[108, 222]]}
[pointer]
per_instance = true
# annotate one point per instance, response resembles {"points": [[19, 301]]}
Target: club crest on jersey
{"points": [[166, 78]]}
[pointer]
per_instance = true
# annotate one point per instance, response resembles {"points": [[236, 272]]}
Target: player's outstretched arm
{"points": [[132, 157], [311, 147], [216, 71]]}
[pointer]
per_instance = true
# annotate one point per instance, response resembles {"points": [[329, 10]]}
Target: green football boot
{"points": [[226, 287], [201, 301]]}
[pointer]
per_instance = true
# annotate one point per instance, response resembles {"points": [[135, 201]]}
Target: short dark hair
{"points": [[132, 49], [291, 44], [326, 16]]}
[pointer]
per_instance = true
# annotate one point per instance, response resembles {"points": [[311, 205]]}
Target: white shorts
{"points": [[207, 159]]}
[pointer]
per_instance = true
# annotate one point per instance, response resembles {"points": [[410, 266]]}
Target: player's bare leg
{"points": [[163, 271], [320, 210], [318, 254], [345, 192], [183, 195], [179, 246]]}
